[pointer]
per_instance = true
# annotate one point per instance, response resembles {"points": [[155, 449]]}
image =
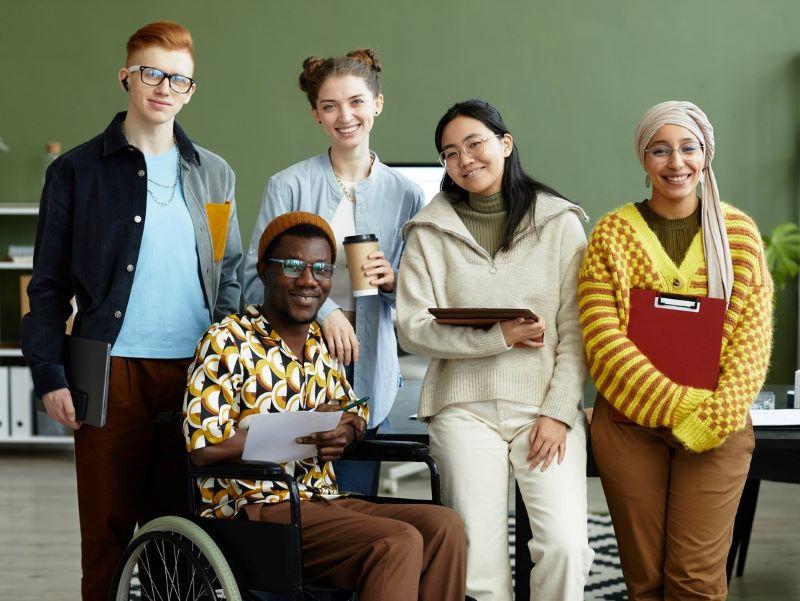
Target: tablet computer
{"points": [[478, 317], [86, 365]]}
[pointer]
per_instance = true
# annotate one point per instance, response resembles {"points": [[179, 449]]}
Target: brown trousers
{"points": [[132, 470], [387, 552], [672, 510]]}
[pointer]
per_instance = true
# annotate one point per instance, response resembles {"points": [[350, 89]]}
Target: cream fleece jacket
{"points": [[443, 266]]}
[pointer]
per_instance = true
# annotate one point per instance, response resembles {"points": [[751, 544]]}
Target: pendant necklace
{"points": [[172, 187], [350, 195]]}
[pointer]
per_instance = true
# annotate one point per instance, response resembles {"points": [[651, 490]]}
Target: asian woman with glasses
{"points": [[673, 456], [501, 399], [357, 194]]}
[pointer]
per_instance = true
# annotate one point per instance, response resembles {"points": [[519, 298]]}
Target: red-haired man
{"points": [[139, 225]]}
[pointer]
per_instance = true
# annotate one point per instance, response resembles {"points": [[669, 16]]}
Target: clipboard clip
{"points": [[677, 303]]}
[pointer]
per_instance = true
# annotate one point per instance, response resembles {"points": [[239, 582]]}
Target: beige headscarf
{"points": [[715, 237]]}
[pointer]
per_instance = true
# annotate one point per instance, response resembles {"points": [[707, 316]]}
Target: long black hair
{"points": [[519, 188]]}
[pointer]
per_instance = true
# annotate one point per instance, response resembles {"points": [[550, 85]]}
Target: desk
{"points": [[776, 457]]}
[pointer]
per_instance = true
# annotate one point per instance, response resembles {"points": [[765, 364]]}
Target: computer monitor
{"points": [[427, 175]]}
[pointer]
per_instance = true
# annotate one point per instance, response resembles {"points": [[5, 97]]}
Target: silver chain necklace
{"points": [[172, 187], [341, 183]]}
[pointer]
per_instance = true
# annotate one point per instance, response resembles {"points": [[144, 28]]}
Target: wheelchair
{"points": [[209, 559]]}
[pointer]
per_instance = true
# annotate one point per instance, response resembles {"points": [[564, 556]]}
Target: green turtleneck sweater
{"points": [[675, 235], [485, 218]]}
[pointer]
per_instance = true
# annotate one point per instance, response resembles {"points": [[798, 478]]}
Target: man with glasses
{"points": [[273, 359], [139, 225]]}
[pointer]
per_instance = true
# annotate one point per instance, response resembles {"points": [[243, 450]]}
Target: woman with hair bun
{"points": [[357, 194], [673, 468]]}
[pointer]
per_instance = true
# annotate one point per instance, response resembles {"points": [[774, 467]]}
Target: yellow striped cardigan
{"points": [[624, 253]]}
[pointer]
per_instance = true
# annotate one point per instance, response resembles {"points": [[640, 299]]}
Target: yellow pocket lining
{"points": [[219, 215]]}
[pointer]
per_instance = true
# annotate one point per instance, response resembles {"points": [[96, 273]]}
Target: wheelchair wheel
{"points": [[171, 558]]}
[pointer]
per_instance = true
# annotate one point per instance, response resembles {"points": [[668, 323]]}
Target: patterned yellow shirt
{"points": [[241, 368], [623, 254]]}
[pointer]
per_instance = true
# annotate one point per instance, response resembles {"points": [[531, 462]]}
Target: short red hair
{"points": [[165, 34]]}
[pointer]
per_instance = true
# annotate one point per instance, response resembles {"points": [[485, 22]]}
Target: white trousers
{"points": [[476, 446]]}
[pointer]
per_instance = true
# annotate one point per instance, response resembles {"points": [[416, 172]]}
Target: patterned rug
{"points": [[605, 579]]}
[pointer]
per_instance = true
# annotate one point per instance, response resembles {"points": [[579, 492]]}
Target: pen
{"points": [[356, 403]]}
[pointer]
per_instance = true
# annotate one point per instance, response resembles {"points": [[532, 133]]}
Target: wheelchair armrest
{"points": [[245, 470], [242, 470], [387, 450], [398, 450]]}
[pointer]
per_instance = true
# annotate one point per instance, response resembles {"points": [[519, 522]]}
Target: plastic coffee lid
{"points": [[360, 238]]}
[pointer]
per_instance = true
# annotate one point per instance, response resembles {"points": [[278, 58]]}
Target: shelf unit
{"points": [[19, 208], [15, 265], [16, 387]]}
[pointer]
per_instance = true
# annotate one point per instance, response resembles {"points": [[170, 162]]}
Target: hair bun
{"points": [[310, 65], [367, 56]]}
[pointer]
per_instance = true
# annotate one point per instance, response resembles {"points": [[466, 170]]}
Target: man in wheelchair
{"points": [[273, 358]]}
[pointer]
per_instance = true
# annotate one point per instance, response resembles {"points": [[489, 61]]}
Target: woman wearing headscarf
{"points": [[673, 475]]}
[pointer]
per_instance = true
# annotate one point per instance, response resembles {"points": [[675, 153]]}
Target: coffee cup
{"points": [[357, 248]]}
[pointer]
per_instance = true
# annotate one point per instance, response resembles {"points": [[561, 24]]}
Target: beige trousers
{"points": [[476, 446]]}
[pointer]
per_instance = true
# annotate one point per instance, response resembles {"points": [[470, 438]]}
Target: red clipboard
{"points": [[681, 335]]}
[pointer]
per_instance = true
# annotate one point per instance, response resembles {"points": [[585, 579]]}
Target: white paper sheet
{"points": [[271, 435], [775, 417]]}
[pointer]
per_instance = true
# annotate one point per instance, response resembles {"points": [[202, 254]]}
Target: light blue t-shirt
{"points": [[167, 312]]}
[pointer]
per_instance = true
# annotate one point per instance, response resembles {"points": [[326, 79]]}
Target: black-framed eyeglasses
{"points": [[661, 153], [473, 148], [153, 77], [294, 268]]}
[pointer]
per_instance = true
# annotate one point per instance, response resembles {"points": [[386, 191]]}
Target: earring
{"points": [[647, 181], [376, 113], [319, 121]]}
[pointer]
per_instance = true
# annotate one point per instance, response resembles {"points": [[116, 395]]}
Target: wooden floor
{"points": [[39, 542]]}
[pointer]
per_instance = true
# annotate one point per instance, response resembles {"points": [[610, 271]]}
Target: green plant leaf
{"points": [[783, 253]]}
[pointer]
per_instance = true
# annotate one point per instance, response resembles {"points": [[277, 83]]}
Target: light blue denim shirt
{"points": [[385, 201]]}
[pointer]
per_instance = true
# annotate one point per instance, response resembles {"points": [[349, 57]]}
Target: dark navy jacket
{"points": [[91, 220]]}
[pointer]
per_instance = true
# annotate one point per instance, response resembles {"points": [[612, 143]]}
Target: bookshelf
{"points": [[20, 424]]}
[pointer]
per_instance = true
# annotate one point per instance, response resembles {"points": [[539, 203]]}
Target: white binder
{"points": [[21, 402], [5, 409]]}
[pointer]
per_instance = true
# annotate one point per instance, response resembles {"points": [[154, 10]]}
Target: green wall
{"points": [[571, 79]]}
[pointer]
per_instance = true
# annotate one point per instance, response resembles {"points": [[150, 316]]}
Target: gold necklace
{"points": [[341, 183]]}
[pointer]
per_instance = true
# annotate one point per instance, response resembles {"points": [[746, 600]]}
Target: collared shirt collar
{"points": [[114, 139], [256, 315]]}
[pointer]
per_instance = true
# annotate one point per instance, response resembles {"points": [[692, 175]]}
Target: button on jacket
{"points": [[91, 219]]}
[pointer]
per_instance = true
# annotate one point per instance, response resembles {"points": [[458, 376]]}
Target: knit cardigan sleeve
{"points": [[700, 419], [417, 330], [748, 333]]}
